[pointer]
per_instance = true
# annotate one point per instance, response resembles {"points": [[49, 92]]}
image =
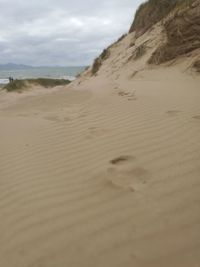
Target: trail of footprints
{"points": [[129, 95], [126, 173]]}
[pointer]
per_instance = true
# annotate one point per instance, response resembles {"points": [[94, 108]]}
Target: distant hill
{"points": [[12, 66]]}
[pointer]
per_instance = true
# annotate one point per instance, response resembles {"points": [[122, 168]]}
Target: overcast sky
{"points": [[61, 32]]}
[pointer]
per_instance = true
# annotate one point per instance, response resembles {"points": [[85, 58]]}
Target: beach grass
{"points": [[20, 85]]}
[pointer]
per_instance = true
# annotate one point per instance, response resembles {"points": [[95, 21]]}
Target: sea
{"points": [[41, 72]]}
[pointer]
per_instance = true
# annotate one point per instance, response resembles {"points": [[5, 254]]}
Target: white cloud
{"points": [[62, 32]]}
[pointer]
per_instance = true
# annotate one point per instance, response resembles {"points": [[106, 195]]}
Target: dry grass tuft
{"points": [[96, 66], [183, 34], [138, 52], [121, 38], [151, 12], [98, 61], [196, 65], [20, 85]]}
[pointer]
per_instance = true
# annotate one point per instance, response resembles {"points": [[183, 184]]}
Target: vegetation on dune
{"points": [[121, 38], [96, 66], [151, 12], [16, 85], [45, 82], [20, 85], [98, 61], [181, 23], [183, 34], [140, 51], [196, 65], [104, 55]]}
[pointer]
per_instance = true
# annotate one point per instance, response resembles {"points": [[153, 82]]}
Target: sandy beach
{"points": [[104, 172], [104, 176]]}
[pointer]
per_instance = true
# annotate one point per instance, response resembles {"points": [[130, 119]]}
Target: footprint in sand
{"points": [[56, 118], [130, 95], [196, 117], [122, 93], [52, 118], [121, 159], [173, 112], [125, 173]]}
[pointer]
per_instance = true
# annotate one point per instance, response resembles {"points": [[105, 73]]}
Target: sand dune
{"points": [[104, 172], [99, 180]]}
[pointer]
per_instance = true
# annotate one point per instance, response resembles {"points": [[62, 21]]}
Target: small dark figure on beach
{"points": [[11, 80]]}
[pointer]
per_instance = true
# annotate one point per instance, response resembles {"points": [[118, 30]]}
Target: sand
{"points": [[104, 172]]}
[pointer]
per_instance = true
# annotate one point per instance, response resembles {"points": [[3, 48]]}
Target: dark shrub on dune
{"points": [[152, 12], [196, 65], [96, 66], [183, 34], [20, 85], [98, 61]]}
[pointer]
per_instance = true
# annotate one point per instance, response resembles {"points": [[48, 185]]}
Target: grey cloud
{"points": [[62, 32]]}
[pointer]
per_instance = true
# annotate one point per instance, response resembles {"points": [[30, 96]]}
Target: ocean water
{"points": [[41, 72]]}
